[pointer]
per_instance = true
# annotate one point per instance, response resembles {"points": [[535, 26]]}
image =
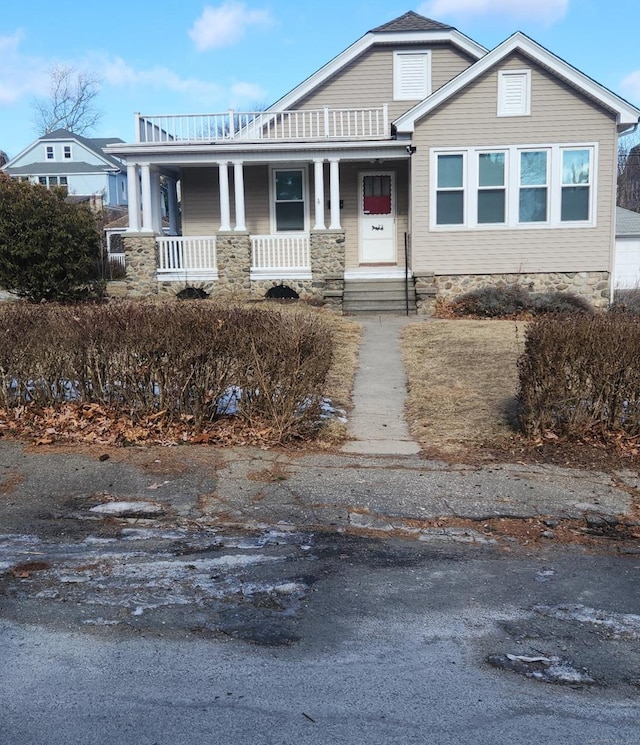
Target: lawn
{"points": [[462, 382]]}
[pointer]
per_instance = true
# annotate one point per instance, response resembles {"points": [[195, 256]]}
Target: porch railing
{"points": [[194, 256], [255, 126], [280, 256]]}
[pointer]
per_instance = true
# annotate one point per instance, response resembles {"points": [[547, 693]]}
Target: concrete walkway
{"points": [[377, 422]]}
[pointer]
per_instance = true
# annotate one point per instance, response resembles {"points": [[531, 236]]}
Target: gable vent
{"points": [[411, 76], [514, 93]]}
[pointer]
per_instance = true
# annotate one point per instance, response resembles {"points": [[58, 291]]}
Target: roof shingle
{"points": [[411, 22]]}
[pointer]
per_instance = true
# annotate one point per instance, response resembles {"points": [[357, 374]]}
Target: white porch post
{"points": [[334, 172], [225, 210], [318, 174], [145, 173], [156, 207], [238, 184], [173, 206], [133, 198]]}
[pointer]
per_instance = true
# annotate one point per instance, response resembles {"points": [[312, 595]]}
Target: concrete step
{"points": [[378, 296]]}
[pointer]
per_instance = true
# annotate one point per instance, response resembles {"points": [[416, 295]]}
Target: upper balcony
{"points": [[266, 126]]}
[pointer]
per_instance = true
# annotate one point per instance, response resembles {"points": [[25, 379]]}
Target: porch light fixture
{"points": [[411, 149]]}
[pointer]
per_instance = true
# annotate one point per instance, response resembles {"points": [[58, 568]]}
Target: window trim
{"points": [[525, 74], [67, 149], [512, 187], [397, 71], [273, 169], [49, 152]]}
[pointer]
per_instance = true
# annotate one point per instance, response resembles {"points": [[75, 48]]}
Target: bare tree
{"points": [[70, 103], [629, 173]]}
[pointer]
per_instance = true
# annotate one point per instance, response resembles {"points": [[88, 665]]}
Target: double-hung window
{"points": [[450, 190], [576, 185], [289, 201], [49, 152], [67, 152], [533, 198], [491, 188]]}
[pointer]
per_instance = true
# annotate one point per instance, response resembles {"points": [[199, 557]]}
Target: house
{"points": [[416, 161], [626, 275], [78, 164]]}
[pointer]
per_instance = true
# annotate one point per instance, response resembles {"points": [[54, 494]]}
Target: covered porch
{"points": [[243, 217]]}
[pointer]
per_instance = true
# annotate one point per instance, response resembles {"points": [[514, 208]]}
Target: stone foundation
{"points": [[593, 286], [327, 248], [304, 287], [141, 262]]}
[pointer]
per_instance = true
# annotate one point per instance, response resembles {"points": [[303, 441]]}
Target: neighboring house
{"points": [[78, 164], [415, 152], [627, 257]]}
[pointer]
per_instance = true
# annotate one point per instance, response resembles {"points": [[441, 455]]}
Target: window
{"points": [[491, 188], [376, 195], [42, 180], [450, 193], [514, 93], [544, 186], [576, 184], [67, 152], [64, 183], [49, 152], [53, 181], [411, 75], [289, 202], [533, 196]]}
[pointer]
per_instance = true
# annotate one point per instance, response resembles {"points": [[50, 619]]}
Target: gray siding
{"points": [[368, 80], [559, 114]]}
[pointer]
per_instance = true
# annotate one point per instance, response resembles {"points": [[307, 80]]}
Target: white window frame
{"points": [[273, 169], [67, 149], [525, 108], [49, 152], [425, 54], [512, 187], [463, 188]]}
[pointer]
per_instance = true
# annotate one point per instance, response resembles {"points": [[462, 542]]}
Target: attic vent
{"points": [[514, 93], [411, 75]]}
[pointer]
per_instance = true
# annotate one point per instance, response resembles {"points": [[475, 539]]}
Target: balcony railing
{"points": [[187, 257], [258, 126], [280, 256]]}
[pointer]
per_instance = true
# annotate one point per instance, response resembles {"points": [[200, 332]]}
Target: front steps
{"points": [[378, 296]]}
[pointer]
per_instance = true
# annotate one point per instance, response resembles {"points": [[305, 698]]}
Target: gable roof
{"points": [[95, 145], [410, 22], [408, 28], [626, 113]]}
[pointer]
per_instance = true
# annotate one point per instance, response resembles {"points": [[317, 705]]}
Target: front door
{"points": [[377, 218]]}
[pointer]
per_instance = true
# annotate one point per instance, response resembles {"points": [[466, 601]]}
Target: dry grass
{"points": [[462, 381]]}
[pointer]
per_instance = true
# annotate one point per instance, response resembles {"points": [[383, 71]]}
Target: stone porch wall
{"points": [[327, 248], [141, 262], [593, 286]]}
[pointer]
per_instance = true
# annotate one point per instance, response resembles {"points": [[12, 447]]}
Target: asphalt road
{"points": [[165, 635]]}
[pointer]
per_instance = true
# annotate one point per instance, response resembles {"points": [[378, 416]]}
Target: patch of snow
{"points": [[129, 509], [619, 625]]}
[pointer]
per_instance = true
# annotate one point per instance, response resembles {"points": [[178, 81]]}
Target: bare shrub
{"points": [[626, 301], [191, 362], [510, 301], [579, 376]]}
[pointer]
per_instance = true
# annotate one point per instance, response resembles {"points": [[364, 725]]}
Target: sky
{"points": [[191, 56]]}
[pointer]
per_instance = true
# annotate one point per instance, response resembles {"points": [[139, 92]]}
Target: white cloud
{"points": [[20, 75], [117, 72], [224, 25], [247, 93], [630, 86], [545, 11]]}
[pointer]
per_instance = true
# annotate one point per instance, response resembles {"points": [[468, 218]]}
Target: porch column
{"points": [[238, 184], [156, 206], [145, 174], [133, 198], [225, 210], [318, 174], [173, 206], [334, 173]]}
